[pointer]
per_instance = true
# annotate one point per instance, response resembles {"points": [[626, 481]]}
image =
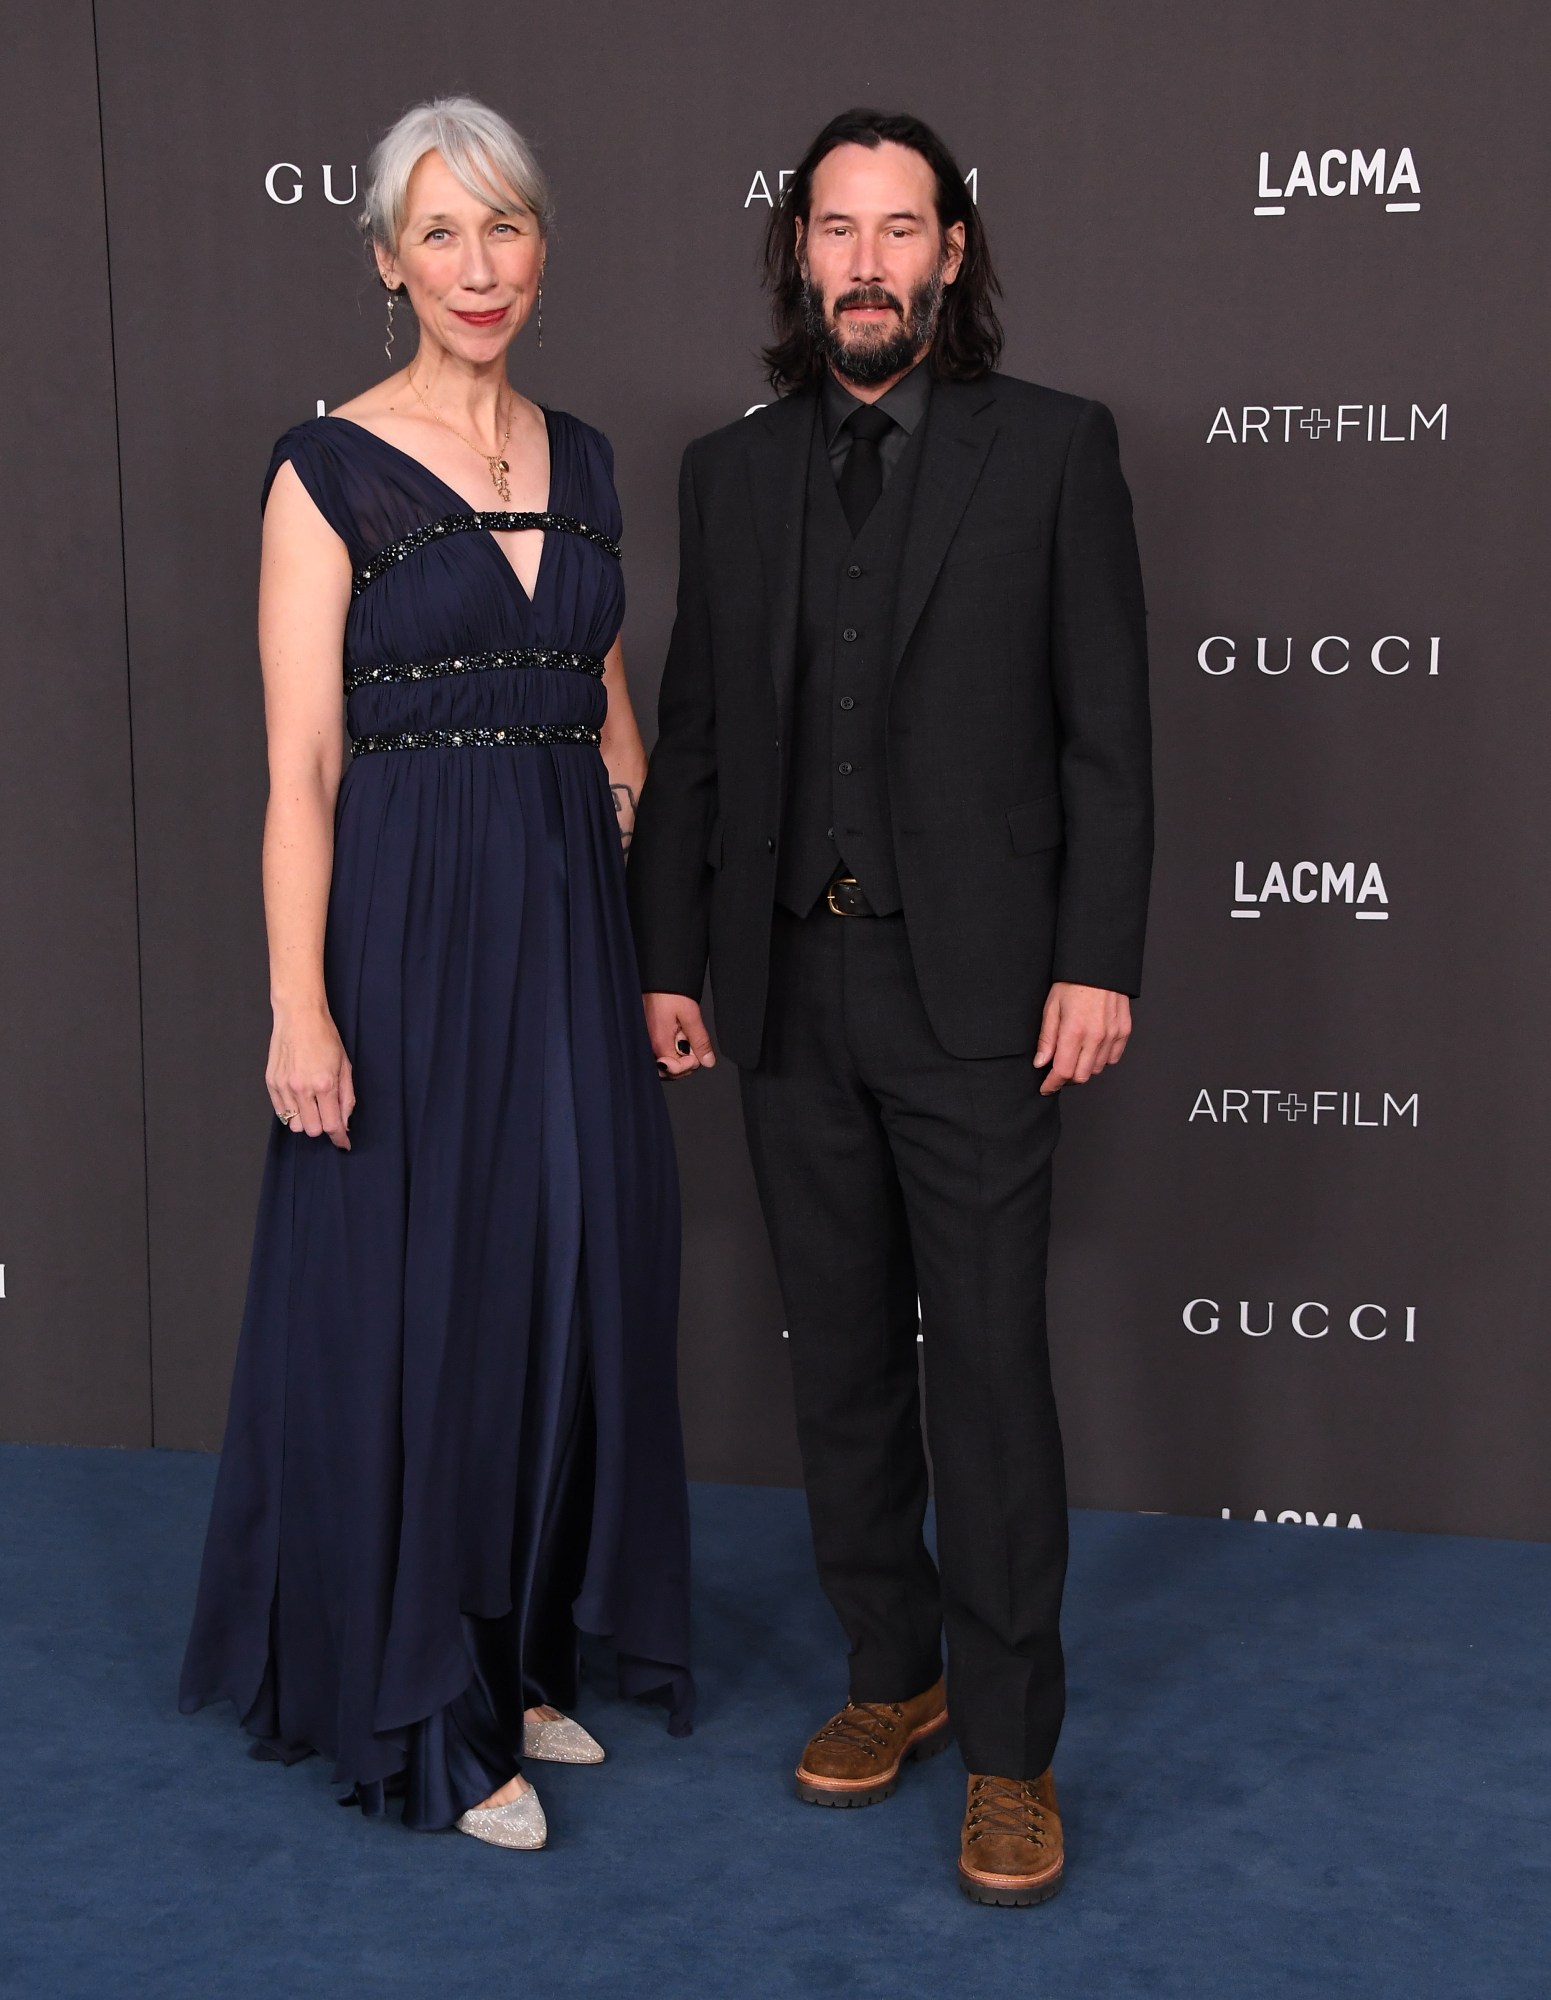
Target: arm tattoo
{"points": [[624, 811]]}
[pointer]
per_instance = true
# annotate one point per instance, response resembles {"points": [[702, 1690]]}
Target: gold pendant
{"points": [[498, 471]]}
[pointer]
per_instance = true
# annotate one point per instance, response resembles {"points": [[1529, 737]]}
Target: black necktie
{"points": [[861, 477]]}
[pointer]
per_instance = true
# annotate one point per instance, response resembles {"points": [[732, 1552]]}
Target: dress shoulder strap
{"points": [[582, 469], [331, 479]]}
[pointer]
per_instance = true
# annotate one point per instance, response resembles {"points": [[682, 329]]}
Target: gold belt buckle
{"points": [[840, 882]]}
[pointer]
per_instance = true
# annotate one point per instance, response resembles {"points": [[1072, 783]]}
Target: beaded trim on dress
{"points": [[474, 663], [462, 524], [477, 737]]}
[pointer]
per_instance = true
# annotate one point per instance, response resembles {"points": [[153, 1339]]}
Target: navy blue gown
{"points": [[454, 1441]]}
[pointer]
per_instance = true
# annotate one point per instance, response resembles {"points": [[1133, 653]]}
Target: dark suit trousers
{"points": [[888, 1169]]}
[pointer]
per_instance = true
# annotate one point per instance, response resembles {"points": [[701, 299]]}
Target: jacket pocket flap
{"points": [[1037, 825]]}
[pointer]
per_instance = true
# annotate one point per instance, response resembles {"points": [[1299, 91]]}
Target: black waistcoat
{"points": [[837, 799]]}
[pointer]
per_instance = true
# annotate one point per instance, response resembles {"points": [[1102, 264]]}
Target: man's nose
{"points": [[866, 262]]}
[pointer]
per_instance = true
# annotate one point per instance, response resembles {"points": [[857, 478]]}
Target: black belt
{"points": [[846, 897]]}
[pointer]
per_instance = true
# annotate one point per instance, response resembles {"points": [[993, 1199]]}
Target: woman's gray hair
{"points": [[490, 157]]}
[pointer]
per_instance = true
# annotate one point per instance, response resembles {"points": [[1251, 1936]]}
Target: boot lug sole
{"points": [[1008, 1898]]}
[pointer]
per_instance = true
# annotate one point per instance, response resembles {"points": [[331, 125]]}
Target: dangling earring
{"points": [[387, 345], [541, 312]]}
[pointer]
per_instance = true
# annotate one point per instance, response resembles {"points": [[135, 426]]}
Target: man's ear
{"points": [[953, 252]]}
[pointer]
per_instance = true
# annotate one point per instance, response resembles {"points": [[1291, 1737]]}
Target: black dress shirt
{"points": [[906, 403]]}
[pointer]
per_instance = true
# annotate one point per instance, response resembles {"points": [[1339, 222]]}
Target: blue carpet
{"points": [[1297, 1762]]}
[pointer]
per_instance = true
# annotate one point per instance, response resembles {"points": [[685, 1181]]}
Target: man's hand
{"points": [[1084, 1030], [677, 1033]]}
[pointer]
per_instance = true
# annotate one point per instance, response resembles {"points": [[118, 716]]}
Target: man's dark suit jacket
{"points": [[1018, 735]]}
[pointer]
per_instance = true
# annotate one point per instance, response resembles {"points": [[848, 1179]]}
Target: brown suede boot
{"points": [[855, 1758], [1012, 1850]]}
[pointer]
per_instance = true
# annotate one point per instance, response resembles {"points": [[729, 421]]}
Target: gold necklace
{"points": [[496, 460]]}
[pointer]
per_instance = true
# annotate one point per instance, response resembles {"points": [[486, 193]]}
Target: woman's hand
{"points": [[309, 1077]]}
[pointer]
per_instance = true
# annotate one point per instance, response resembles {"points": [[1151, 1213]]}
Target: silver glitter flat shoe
{"points": [[520, 1824], [562, 1742]]}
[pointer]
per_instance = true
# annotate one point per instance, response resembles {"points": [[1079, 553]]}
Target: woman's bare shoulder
{"points": [[384, 400]]}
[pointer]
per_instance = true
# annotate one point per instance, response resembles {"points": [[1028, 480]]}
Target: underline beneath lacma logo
{"points": [[1340, 173]]}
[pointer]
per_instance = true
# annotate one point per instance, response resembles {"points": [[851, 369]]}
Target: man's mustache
{"points": [[866, 295]]}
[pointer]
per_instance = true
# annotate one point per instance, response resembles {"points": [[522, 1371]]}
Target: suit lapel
{"points": [[959, 428], [780, 439]]}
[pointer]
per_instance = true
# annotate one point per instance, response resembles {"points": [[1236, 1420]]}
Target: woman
{"points": [[454, 1436]]}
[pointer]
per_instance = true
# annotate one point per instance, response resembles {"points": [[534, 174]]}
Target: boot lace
{"points": [[863, 1725], [1005, 1805]]}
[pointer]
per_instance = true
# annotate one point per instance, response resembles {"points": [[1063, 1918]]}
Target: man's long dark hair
{"points": [[968, 340]]}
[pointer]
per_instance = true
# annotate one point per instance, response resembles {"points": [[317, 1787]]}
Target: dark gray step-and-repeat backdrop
{"points": [[1298, 249]]}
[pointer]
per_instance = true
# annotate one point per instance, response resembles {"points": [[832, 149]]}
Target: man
{"points": [[901, 798]]}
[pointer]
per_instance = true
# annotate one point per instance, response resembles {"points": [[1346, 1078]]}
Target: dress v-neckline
{"points": [[529, 597]]}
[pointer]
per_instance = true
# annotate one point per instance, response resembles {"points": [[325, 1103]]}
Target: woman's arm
{"points": [[623, 754], [304, 594]]}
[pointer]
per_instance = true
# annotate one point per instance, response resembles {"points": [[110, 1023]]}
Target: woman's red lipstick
{"points": [[480, 318]]}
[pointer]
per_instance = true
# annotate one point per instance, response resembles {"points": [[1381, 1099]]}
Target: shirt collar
{"points": [[906, 402]]}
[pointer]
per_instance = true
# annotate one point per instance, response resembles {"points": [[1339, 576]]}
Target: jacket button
{"points": [[849, 634], [853, 569], [846, 701], [844, 770], [770, 846]]}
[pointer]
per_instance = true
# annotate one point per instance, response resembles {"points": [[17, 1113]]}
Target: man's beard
{"points": [[866, 358]]}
